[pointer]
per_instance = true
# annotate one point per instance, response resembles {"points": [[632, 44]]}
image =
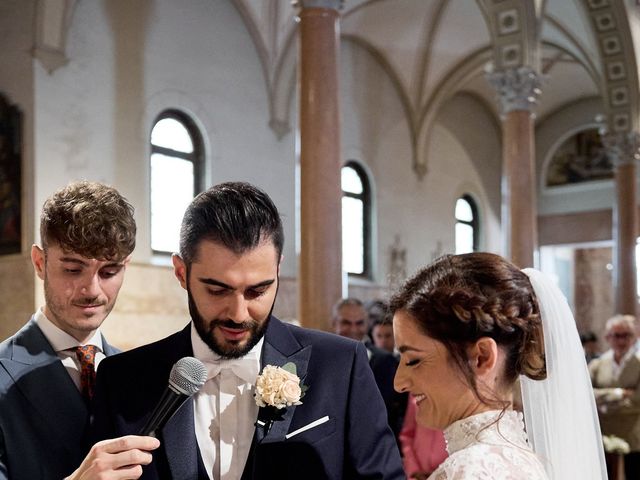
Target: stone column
{"points": [[623, 149], [320, 259], [518, 90]]}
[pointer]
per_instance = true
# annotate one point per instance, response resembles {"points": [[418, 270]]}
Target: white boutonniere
{"points": [[279, 387]]}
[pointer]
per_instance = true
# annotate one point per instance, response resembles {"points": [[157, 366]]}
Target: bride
{"points": [[468, 326]]}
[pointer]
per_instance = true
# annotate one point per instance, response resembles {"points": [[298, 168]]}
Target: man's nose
{"points": [[90, 286], [238, 309]]}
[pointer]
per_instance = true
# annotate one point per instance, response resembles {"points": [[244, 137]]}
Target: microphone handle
{"points": [[165, 408]]}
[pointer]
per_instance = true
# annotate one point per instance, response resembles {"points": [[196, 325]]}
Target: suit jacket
{"points": [[384, 366], [43, 417], [620, 418], [355, 442]]}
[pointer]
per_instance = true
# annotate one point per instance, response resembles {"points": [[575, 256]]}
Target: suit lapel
{"points": [[181, 445], [280, 348], [107, 349], [178, 435], [40, 376]]}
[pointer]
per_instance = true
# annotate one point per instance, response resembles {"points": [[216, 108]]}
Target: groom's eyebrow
{"points": [[218, 283], [214, 282]]}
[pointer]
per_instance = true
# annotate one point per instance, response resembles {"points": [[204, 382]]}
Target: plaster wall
{"points": [[95, 114], [419, 212]]}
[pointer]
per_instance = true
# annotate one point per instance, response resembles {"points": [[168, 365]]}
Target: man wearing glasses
{"points": [[616, 384]]}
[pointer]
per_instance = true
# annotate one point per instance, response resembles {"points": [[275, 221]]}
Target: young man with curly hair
{"points": [[47, 368]]}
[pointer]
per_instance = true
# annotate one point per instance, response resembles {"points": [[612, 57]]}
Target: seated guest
{"points": [[423, 448], [616, 383], [350, 320]]}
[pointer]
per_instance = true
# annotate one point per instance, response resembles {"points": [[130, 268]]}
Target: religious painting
{"points": [[581, 158], [10, 177]]}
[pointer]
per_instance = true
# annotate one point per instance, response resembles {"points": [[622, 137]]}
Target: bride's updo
{"points": [[460, 298]]}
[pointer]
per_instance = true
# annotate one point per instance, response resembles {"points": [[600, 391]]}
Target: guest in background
{"points": [[616, 383], [350, 320], [381, 334], [589, 342], [423, 448]]}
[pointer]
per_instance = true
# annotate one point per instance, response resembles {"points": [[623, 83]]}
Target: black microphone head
{"points": [[188, 375]]}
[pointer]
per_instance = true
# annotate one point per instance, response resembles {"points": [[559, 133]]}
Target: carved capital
{"points": [[622, 147], [333, 4], [517, 89]]}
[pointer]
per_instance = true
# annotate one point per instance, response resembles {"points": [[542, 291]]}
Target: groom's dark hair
{"points": [[236, 215]]}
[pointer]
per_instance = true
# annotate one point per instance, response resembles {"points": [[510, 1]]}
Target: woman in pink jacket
{"points": [[423, 449]]}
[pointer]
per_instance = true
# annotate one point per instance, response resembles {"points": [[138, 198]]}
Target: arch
{"points": [[356, 188], [172, 162]]}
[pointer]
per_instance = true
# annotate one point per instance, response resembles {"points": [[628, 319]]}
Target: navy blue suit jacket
{"points": [[356, 442], [43, 417]]}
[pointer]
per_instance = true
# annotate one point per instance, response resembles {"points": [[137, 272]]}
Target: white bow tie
{"points": [[247, 367]]}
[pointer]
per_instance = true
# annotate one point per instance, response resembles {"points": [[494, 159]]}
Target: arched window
{"points": [[466, 225], [176, 176], [356, 220]]}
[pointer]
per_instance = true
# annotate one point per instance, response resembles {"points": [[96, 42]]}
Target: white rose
{"points": [[291, 392], [277, 387]]}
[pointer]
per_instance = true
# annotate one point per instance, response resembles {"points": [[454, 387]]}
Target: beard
{"points": [[227, 349]]}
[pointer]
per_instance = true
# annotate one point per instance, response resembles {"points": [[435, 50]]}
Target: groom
{"points": [[230, 251]]}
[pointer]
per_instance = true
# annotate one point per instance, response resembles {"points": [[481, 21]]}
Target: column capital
{"points": [[622, 147], [332, 4], [516, 88]]}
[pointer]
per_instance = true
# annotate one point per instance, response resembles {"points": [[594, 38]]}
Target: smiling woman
{"points": [[467, 327]]}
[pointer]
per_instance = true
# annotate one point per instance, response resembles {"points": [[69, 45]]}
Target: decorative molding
{"points": [[517, 89], [50, 58], [508, 22], [332, 4], [279, 127], [53, 20], [623, 147]]}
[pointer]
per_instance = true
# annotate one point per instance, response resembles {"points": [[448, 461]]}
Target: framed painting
{"points": [[580, 158], [10, 177]]}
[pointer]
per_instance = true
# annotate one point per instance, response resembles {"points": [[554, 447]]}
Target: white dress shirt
{"points": [[225, 410], [61, 342]]}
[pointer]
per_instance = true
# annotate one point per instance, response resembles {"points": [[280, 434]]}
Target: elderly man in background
{"points": [[350, 319], [616, 381]]}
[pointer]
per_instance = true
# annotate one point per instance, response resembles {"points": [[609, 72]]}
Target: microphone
{"points": [[187, 377]]}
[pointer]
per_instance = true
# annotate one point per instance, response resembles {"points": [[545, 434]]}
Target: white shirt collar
{"points": [[61, 340]]}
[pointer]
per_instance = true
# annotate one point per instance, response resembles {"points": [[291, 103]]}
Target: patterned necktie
{"points": [[87, 356]]}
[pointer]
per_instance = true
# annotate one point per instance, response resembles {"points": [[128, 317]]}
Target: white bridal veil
{"points": [[560, 412]]}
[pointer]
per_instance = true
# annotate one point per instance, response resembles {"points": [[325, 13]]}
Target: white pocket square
{"points": [[309, 426]]}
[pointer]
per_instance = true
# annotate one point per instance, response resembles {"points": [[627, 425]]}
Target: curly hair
{"points": [[90, 219], [459, 299]]}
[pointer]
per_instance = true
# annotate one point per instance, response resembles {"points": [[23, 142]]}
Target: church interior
{"points": [[508, 126]]}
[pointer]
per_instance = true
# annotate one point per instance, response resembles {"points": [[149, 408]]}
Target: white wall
{"points": [[94, 115], [421, 212]]}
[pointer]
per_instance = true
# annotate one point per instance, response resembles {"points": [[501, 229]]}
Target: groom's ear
{"points": [[483, 358], [179, 269]]}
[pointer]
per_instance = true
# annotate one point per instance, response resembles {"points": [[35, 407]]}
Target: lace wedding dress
{"points": [[482, 449]]}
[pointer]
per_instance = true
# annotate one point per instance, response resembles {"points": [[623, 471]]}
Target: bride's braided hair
{"points": [[460, 298]]}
